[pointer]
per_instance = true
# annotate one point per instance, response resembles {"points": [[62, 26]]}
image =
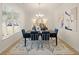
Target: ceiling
{"points": [[43, 7]]}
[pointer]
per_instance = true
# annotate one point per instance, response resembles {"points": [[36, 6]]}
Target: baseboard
{"points": [[10, 47], [71, 48]]}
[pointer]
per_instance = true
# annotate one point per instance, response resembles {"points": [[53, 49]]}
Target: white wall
{"points": [[12, 39], [72, 37], [47, 9], [78, 21], [0, 21]]}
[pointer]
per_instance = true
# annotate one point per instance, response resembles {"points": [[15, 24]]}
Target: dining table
{"points": [[53, 34]]}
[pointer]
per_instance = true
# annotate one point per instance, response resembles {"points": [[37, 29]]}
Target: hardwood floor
{"points": [[68, 46], [62, 49], [7, 51]]}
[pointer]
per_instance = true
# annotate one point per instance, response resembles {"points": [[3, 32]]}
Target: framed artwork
{"points": [[70, 19]]}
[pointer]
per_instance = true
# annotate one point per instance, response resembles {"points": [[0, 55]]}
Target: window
{"points": [[10, 24]]}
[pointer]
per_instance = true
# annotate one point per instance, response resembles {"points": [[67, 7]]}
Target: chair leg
{"points": [[49, 43], [25, 42], [56, 41], [38, 44], [31, 44], [42, 44], [51, 37]]}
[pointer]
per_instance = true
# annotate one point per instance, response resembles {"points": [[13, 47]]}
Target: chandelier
{"points": [[39, 17]]}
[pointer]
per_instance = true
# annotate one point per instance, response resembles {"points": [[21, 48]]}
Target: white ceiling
{"points": [[35, 7], [45, 8]]}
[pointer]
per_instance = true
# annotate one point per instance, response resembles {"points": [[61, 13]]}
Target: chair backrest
{"points": [[23, 32], [56, 30], [34, 35], [45, 35]]}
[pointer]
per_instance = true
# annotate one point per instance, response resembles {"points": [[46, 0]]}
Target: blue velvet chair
{"points": [[34, 37], [25, 35], [54, 34], [45, 37], [56, 30]]}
